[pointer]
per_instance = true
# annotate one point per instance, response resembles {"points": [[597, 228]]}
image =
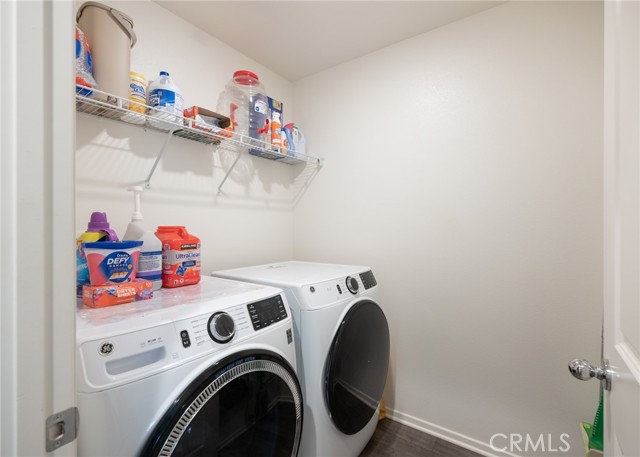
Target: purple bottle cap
{"points": [[99, 223]]}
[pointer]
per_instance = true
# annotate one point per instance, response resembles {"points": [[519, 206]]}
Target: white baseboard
{"points": [[446, 434]]}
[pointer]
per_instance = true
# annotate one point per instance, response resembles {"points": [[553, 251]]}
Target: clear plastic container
{"points": [[244, 100], [166, 100]]}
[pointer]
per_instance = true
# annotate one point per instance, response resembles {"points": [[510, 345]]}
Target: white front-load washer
{"points": [[202, 370], [342, 340]]}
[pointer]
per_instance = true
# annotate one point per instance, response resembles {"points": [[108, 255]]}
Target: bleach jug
{"points": [[166, 102]]}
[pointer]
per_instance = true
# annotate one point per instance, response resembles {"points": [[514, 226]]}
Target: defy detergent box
{"points": [[112, 262]]}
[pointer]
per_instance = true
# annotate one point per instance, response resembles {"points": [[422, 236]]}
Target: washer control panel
{"points": [[202, 333], [267, 312]]}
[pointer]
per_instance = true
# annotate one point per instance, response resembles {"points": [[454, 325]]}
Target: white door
{"points": [[622, 227], [37, 313]]}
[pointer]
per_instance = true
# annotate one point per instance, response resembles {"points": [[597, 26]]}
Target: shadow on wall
{"points": [[303, 177], [136, 140], [125, 154], [297, 178], [187, 172]]}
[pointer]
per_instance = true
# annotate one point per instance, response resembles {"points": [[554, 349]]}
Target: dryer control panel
{"points": [[321, 294], [368, 280]]}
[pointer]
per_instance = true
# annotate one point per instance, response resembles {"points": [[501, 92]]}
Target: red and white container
{"points": [[180, 256]]}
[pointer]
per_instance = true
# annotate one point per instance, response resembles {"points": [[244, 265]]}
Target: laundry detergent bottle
{"points": [[150, 260], [98, 229], [180, 256]]}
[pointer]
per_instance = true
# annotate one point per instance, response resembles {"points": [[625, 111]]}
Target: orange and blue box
{"points": [[117, 294]]}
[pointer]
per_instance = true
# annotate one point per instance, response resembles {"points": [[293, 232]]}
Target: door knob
{"points": [[583, 370]]}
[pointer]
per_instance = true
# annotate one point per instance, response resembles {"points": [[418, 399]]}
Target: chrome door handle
{"points": [[583, 370]]}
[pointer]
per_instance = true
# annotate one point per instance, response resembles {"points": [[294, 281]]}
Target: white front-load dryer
{"points": [[342, 340], [202, 370]]}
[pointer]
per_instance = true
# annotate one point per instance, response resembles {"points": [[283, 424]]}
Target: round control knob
{"points": [[221, 327], [352, 284]]}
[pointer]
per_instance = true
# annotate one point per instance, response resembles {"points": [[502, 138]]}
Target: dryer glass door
{"points": [[251, 407], [356, 369]]}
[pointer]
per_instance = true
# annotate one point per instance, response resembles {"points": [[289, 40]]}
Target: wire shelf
{"points": [[102, 104]]}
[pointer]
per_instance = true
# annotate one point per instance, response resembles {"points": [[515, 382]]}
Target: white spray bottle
{"points": [[150, 260]]}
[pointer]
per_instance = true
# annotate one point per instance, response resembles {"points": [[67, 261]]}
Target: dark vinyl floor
{"points": [[392, 439]]}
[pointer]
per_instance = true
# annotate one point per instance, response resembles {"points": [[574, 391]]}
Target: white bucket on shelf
{"points": [[111, 37]]}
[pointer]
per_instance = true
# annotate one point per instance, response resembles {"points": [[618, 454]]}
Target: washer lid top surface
{"points": [[292, 273], [168, 305]]}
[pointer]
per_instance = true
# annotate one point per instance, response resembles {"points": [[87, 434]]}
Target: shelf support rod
{"points": [[229, 172], [147, 183]]}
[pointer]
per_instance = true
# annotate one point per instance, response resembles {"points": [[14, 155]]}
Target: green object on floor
{"points": [[594, 432]]}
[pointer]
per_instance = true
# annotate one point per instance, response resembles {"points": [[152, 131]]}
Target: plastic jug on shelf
{"points": [[165, 99], [244, 100]]}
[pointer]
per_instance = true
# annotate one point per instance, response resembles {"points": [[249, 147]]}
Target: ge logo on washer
{"points": [[106, 348]]}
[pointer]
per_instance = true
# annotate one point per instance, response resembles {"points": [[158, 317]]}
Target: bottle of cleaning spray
{"points": [[150, 260]]}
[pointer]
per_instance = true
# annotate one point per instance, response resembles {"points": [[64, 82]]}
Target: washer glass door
{"points": [[251, 407], [356, 368]]}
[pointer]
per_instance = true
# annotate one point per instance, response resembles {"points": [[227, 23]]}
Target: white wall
{"points": [[465, 166], [252, 221]]}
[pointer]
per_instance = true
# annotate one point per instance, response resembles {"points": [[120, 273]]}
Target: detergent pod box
{"points": [[180, 256], [117, 294], [112, 262]]}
